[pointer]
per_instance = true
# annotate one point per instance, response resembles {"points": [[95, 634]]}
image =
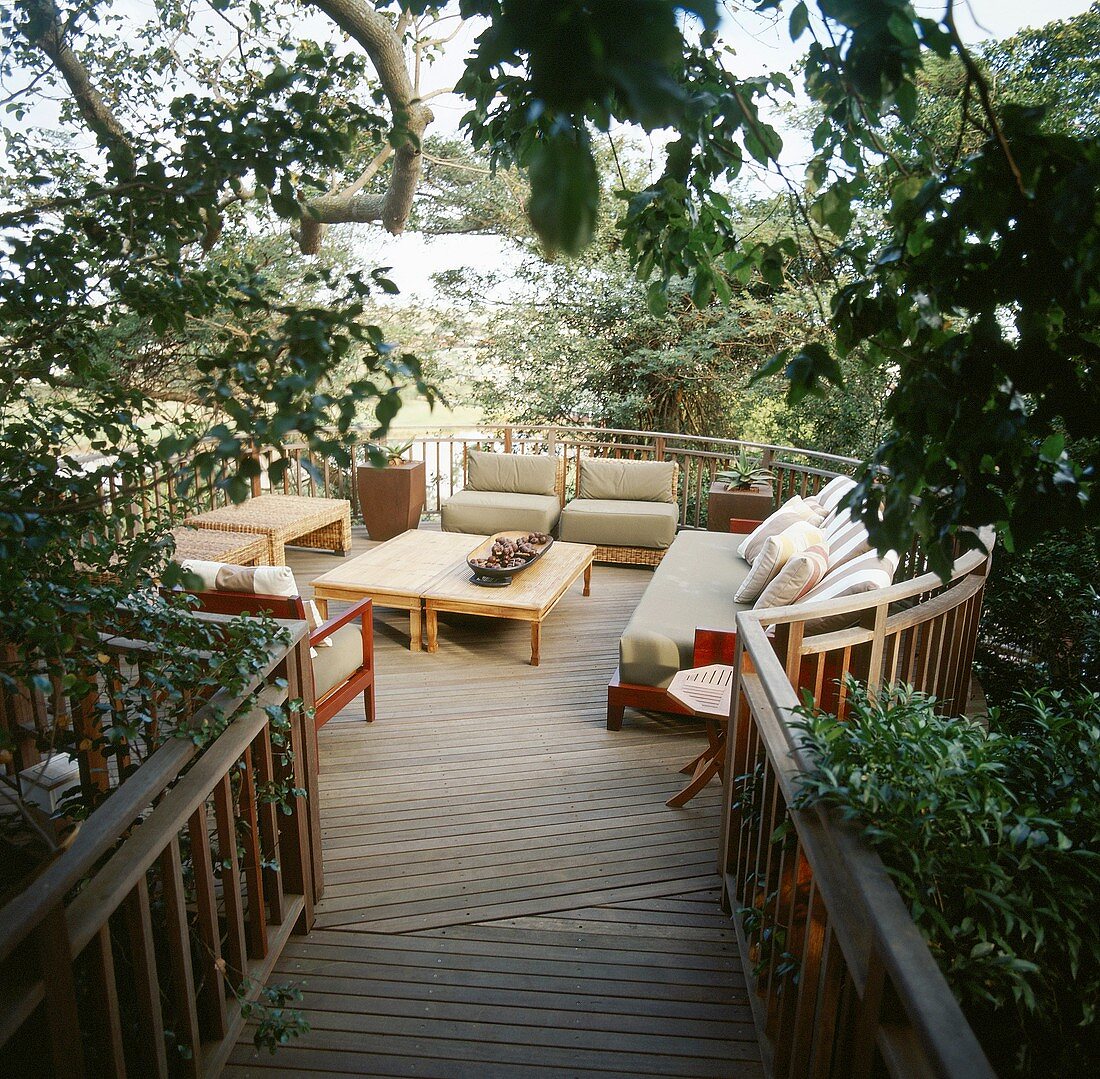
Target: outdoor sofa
{"points": [[703, 582]]}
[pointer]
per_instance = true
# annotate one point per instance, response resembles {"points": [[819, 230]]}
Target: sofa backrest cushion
{"points": [[846, 537], [635, 481], [867, 572], [511, 473], [255, 580], [830, 495]]}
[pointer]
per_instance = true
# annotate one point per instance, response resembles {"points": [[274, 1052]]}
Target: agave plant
{"points": [[743, 472], [394, 454]]}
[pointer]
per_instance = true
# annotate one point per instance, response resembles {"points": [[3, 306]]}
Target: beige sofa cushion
{"points": [[633, 481], [484, 512], [515, 473], [609, 522], [332, 666], [691, 588]]}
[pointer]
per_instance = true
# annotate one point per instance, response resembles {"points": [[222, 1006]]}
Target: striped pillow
{"points": [[847, 539], [831, 494], [796, 578], [864, 573], [774, 554], [792, 511]]}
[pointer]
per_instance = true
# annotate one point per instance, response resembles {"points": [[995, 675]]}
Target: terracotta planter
{"points": [[391, 499], [751, 504]]}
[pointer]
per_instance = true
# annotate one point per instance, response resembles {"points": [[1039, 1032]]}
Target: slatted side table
{"points": [[707, 691]]}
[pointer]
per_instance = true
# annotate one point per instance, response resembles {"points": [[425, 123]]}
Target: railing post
{"points": [[508, 439]]}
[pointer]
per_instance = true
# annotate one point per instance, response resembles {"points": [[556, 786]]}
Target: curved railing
{"points": [[443, 451]]}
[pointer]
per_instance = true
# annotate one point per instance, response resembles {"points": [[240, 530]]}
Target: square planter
{"points": [[391, 499], [753, 504]]}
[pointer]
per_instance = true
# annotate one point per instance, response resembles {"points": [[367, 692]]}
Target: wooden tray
{"points": [[499, 576]]}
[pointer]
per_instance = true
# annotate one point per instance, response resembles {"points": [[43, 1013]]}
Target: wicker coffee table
{"points": [[323, 523], [212, 545]]}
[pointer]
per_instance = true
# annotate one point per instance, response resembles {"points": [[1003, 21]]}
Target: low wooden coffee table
{"points": [[531, 596], [425, 572], [396, 573]]}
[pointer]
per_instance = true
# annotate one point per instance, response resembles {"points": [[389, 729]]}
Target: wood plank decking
{"points": [[506, 892]]}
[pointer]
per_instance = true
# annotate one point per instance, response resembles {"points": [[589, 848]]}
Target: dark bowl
{"points": [[500, 573]]}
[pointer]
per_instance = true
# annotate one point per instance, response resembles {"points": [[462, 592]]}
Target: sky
{"points": [[762, 46]]}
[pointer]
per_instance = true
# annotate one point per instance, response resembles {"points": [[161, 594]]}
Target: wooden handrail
{"points": [[831, 881]]}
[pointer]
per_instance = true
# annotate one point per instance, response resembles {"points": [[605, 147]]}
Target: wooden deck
{"points": [[506, 892]]}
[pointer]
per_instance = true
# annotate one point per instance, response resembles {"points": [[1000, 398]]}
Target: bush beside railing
{"points": [[139, 926]]}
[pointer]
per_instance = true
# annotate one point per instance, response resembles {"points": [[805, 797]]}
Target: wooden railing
{"points": [[144, 925], [443, 452], [841, 981]]}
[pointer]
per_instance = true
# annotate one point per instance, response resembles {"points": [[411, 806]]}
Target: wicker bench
{"points": [[321, 523], [213, 545]]}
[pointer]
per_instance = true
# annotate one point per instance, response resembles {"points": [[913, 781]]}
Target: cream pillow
{"points": [[774, 554], [796, 578], [792, 511]]}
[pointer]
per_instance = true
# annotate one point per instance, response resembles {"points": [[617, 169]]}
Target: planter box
{"points": [[392, 498], [753, 504]]}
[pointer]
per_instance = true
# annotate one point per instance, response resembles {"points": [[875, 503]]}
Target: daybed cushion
{"points": [[514, 473], [805, 570], [631, 481], [485, 512], [610, 522], [693, 587], [865, 573], [774, 555], [830, 495], [333, 666]]}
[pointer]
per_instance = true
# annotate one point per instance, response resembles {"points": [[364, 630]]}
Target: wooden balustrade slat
{"points": [[211, 990], [55, 963], [269, 827], [229, 872], [141, 850], [105, 1017], [150, 1048], [181, 987], [253, 872]]}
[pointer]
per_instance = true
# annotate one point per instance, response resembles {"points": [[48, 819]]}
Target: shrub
{"points": [[992, 836], [1041, 622]]}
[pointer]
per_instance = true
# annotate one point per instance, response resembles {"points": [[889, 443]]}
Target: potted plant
{"points": [[391, 495], [743, 489]]}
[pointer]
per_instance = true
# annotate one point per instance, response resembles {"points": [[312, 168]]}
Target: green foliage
{"points": [[993, 839], [1041, 617], [276, 1024]]}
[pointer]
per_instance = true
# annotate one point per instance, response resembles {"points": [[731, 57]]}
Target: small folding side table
{"points": [[707, 691]]}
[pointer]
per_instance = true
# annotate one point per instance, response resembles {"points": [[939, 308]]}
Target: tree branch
{"points": [[383, 44], [46, 31]]}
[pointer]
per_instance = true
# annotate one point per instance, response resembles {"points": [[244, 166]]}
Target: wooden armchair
{"points": [[342, 670]]}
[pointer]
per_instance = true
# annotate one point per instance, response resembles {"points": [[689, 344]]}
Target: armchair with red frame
{"points": [[341, 670]]}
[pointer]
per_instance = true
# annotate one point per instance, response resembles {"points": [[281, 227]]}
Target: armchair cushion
{"points": [[333, 666], [512, 473], [617, 522], [484, 512], [632, 481]]}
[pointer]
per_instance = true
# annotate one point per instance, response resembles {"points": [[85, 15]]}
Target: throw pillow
{"points": [[775, 553], [796, 578], [792, 511], [864, 573], [847, 539], [830, 495]]}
